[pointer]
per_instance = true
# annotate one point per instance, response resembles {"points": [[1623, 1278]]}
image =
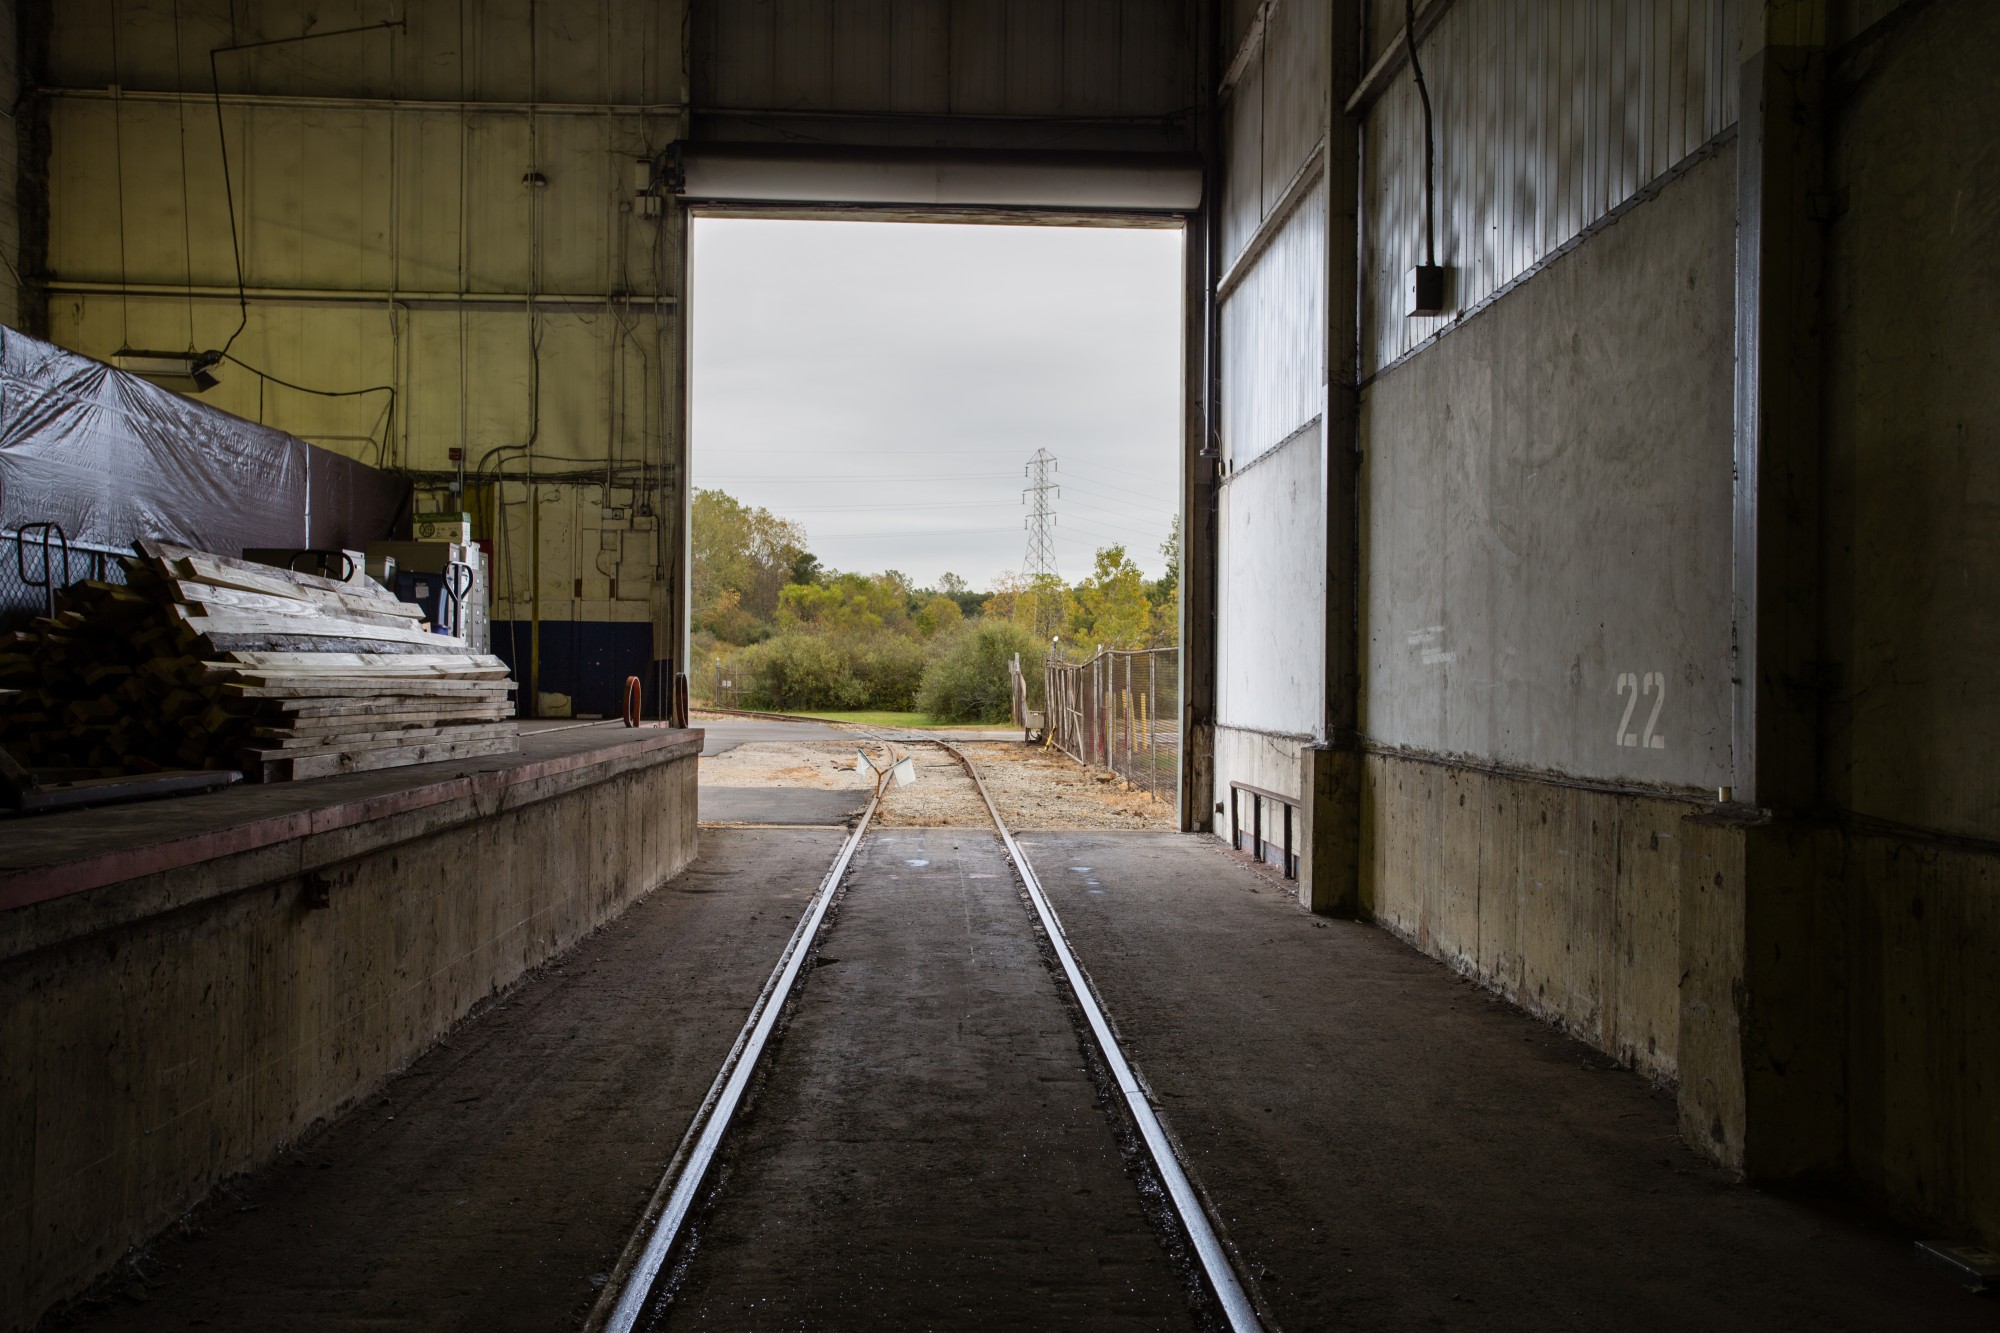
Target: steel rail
{"points": [[1208, 1248], [639, 1267]]}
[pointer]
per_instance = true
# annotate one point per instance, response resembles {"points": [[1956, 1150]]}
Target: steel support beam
{"points": [[1793, 1044], [1781, 150], [1330, 777], [1201, 429]]}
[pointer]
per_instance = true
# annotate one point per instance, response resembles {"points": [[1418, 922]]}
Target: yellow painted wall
{"points": [[389, 238]]}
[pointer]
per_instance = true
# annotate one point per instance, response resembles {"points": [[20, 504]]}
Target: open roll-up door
{"points": [[886, 177]]}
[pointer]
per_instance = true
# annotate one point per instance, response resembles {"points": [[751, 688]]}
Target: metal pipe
{"points": [[534, 601], [355, 296], [461, 106]]}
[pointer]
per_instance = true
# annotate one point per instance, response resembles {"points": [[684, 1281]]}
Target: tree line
{"points": [[787, 634]]}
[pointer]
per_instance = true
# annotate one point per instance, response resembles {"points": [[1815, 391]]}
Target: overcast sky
{"points": [[886, 383]]}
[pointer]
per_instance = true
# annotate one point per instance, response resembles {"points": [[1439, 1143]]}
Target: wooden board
{"points": [[416, 667], [295, 643], [401, 698], [374, 739], [375, 706], [209, 600], [327, 627], [286, 725], [364, 595], [386, 660], [319, 766]]}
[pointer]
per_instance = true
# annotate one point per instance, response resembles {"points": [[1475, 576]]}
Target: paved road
{"points": [[725, 734]]}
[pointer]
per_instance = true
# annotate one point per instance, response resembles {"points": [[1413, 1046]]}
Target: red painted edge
{"points": [[35, 884]]}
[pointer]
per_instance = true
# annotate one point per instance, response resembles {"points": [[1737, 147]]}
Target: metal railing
{"points": [[34, 561], [1121, 711]]}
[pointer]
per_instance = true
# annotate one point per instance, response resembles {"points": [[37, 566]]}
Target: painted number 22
{"points": [[1655, 684]]}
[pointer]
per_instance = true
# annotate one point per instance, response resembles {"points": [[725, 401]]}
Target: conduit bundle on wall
{"points": [[114, 459]]}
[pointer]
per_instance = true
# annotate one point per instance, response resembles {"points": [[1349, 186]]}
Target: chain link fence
{"points": [[30, 567], [1121, 711]]}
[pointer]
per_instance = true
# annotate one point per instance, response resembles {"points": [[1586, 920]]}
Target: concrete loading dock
{"points": [[1620, 635], [191, 985]]}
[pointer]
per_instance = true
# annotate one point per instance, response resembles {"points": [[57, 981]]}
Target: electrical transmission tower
{"points": [[1041, 563]]}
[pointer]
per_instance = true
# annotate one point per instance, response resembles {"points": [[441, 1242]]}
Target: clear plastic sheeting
{"points": [[113, 459]]}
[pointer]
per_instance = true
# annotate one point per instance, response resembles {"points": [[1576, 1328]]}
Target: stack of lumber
{"points": [[205, 661]]}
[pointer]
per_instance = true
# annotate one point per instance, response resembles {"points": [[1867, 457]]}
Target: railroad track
{"points": [[629, 1293]]}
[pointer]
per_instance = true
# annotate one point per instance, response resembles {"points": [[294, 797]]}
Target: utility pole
{"points": [[1041, 563]]}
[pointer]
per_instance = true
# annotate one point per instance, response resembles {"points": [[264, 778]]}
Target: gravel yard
{"points": [[1034, 788], [1046, 789], [822, 765]]}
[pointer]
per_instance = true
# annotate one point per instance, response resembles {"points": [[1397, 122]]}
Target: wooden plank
{"points": [[414, 667], [214, 644], [376, 704], [373, 739], [203, 595], [158, 550], [364, 681], [316, 766], [286, 725], [267, 580], [362, 659], [257, 622], [411, 689]]}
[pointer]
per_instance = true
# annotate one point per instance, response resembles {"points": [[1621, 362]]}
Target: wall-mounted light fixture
{"points": [[1426, 282], [184, 372]]}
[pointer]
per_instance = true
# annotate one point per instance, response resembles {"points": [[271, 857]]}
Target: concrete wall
{"points": [[1913, 414], [1910, 628], [1546, 515], [1546, 511], [1547, 492], [167, 1032]]}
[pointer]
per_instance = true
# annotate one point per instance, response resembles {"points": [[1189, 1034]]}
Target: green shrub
{"points": [[800, 671], [968, 681], [890, 669]]}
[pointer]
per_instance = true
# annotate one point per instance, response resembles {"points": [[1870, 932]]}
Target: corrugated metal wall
{"points": [[1271, 544], [1550, 114], [1274, 337], [389, 238], [1090, 70]]}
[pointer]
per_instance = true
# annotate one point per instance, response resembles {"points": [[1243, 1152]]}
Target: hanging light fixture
{"points": [[184, 372]]}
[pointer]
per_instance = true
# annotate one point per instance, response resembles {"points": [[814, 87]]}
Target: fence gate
{"points": [[1121, 711]]}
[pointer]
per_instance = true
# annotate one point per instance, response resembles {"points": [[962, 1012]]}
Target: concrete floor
{"points": [[495, 1183], [1392, 1148], [1388, 1148], [928, 1150]]}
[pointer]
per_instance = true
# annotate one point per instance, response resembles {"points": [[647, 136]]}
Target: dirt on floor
{"points": [[1038, 788], [941, 797], [1035, 788], [824, 765]]}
